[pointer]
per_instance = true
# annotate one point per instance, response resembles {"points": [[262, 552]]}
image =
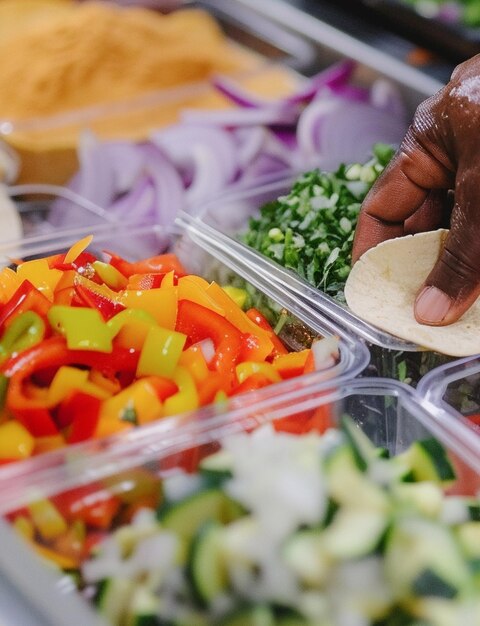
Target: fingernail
{"points": [[432, 305]]}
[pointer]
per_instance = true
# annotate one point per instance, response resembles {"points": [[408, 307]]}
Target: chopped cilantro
{"points": [[311, 229], [129, 414]]}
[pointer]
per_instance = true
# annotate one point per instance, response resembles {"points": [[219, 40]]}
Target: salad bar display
{"points": [[192, 427]]}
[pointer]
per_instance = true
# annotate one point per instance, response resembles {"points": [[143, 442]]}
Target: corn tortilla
{"points": [[382, 287]]}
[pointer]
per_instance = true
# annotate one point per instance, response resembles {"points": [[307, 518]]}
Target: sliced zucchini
{"points": [[113, 598], [306, 556], [363, 449], [428, 460], [143, 608], [188, 515], [206, 568], [349, 486], [430, 585], [249, 616], [414, 546], [474, 510], [217, 467], [354, 533], [425, 497]]}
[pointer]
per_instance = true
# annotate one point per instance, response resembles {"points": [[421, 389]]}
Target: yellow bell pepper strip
{"points": [[194, 361], [160, 353], [160, 303], [71, 544], [24, 331], [160, 264], [110, 275], [239, 296], [39, 274], [9, 283], [169, 280], [65, 290], [109, 384], [99, 297], [136, 405], [47, 519], [52, 556], [3, 390], [195, 291], [16, 443], [68, 379], [24, 527], [257, 347], [248, 368], [83, 328], [131, 327], [186, 398], [77, 249], [292, 364]]}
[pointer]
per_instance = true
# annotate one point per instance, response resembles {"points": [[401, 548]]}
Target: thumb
{"points": [[454, 283]]}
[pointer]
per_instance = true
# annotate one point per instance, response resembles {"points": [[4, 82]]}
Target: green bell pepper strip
{"points": [[161, 351], [116, 323], [25, 331]]}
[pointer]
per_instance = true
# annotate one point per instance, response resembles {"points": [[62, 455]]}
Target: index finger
{"points": [[398, 194]]}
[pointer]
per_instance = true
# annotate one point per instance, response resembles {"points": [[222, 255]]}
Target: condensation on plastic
{"points": [[390, 413]]}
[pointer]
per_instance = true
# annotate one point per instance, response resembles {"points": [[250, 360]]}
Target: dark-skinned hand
{"points": [[440, 152]]}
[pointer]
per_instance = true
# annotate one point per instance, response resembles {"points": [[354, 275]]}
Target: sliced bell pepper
{"points": [[198, 322], [248, 368], [82, 327], [186, 398], [83, 412], [71, 543], [25, 298], [238, 295], [252, 383], [99, 297], [145, 281], [47, 444], [39, 274], [65, 290], [68, 380], [24, 527], [160, 303], [109, 275], [83, 263], [77, 249], [109, 384], [47, 519], [52, 556], [195, 291], [209, 388], [160, 352], [134, 406], [130, 327], [25, 330], [195, 363], [255, 316], [292, 364], [92, 504], [16, 442], [134, 484], [9, 283], [162, 263], [169, 280]]}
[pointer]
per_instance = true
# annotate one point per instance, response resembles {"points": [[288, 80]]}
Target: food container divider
{"points": [[213, 222], [135, 242], [455, 388], [390, 413]]}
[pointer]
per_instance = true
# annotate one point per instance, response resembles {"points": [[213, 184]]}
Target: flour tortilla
{"points": [[382, 287]]}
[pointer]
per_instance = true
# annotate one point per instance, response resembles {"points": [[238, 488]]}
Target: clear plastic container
{"points": [[214, 224], [135, 242], [455, 388], [390, 413]]}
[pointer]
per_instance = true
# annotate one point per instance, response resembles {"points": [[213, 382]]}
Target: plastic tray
{"points": [[388, 412], [455, 387], [138, 242], [214, 225]]}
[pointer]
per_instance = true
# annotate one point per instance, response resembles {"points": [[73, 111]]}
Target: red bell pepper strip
{"points": [[252, 383], [209, 387], [81, 412], [164, 387], [261, 321], [25, 298], [198, 323], [162, 263], [92, 504], [57, 262], [96, 300]]}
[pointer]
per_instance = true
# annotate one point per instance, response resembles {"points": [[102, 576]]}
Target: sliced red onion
{"points": [[325, 352], [243, 117], [207, 348], [385, 95], [250, 142]]}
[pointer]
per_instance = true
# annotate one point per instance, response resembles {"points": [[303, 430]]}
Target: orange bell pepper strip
{"points": [[145, 281], [255, 316], [160, 303], [261, 346], [161, 263], [252, 383], [195, 291], [292, 364]]}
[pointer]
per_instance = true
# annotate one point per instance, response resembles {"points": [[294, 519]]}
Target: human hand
{"points": [[440, 152]]}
